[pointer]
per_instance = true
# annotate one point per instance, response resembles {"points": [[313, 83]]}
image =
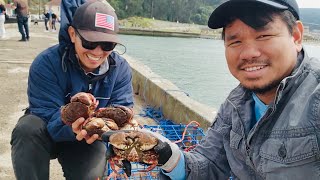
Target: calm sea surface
{"points": [[196, 66]]}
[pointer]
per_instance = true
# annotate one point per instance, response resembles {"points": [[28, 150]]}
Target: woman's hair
{"points": [[257, 16]]}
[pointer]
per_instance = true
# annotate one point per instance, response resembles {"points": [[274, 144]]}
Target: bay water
{"points": [[197, 66]]}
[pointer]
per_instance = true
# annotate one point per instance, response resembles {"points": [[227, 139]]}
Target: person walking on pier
{"points": [[2, 19], [83, 61], [269, 125], [46, 20], [22, 10], [53, 22]]}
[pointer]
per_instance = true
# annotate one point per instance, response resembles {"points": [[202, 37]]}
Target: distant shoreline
{"points": [[162, 33]]}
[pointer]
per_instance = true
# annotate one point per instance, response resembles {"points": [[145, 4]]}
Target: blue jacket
{"points": [[55, 76]]}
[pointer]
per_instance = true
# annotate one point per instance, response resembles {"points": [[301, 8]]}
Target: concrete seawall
{"points": [[159, 33], [161, 93]]}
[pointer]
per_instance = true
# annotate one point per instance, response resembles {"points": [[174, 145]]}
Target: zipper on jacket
{"points": [[90, 88]]}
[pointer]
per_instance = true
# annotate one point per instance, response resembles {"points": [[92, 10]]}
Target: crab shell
{"points": [[87, 99], [120, 114], [135, 146], [99, 125], [72, 111], [81, 105]]}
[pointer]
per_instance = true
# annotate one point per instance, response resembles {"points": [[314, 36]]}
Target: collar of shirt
{"points": [[259, 107]]}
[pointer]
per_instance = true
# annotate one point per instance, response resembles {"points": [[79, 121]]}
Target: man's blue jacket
{"points": [[55, 75]]}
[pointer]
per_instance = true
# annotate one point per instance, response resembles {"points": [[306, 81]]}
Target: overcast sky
{"points": [[309, 3]]}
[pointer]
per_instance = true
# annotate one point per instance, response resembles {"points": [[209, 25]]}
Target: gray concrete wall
{"points": [[146, 32], [159, 92]]}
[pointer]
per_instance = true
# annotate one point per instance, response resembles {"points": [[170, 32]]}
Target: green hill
{"points": [[184, 11]]}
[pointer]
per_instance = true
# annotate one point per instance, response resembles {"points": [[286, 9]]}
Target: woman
{"points": [[2, 19]]}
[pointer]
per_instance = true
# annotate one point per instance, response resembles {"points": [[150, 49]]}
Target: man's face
{"points": [[260, 59], [89, 59]]}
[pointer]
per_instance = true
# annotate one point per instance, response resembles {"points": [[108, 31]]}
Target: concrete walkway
{"points": [[15, 59]]}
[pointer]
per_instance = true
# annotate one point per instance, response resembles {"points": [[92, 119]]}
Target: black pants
{"points": [[53, 24], [23, 27], [46, 20], [32, 148]]}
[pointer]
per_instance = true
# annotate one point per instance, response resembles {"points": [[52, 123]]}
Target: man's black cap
{"points": [[221, 14], [96, 21]]}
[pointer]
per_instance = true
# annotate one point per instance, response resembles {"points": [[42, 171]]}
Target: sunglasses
{"points": [[105, 46]]}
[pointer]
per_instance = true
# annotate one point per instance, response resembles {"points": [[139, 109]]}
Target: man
{"points": [[83, 61], [46, 20], [53, 23], [22, 12], [269, 126]]}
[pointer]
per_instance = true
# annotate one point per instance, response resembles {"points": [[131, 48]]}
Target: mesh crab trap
{"points": [[186, 136]]}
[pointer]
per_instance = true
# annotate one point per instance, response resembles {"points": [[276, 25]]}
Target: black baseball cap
{"points": [[221, 14], [96, 21]]}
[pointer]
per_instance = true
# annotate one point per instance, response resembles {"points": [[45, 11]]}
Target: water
{"points": [[196, 66]]}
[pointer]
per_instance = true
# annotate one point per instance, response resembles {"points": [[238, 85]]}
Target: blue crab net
{"points": [[174, 132]]}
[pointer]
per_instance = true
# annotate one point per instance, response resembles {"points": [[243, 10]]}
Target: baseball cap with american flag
{"points": [[96, 21]]}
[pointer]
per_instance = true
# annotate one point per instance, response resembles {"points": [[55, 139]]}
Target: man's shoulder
{"points": [[236, 98], [312, 64], [50, 55], [119, 60]]}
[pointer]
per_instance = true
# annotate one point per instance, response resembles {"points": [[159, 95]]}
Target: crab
{"points": [[120, 114], [98, 126], [134, 146], [96, 122], [81, 105]]}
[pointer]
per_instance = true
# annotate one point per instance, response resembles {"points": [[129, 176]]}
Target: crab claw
{"points": [[127, 167]]}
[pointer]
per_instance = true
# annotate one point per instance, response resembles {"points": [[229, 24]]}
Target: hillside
{"points": [[147, 26], [310, 16]]}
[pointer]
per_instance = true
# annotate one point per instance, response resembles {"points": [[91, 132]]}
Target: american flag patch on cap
{"points": [[104, 21]]}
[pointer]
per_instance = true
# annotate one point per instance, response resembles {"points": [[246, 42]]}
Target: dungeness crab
{"points": [[98, 126], [81, 105], [97, 122], [120, 114], [134, 146]]}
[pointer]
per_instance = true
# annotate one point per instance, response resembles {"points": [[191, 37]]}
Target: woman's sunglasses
{"points": [[105, 46]]}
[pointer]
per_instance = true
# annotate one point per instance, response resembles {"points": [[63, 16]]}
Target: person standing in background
{"points": [[22, 9], [53, 22], [50, 18], [46, 20], [2, 19]]}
